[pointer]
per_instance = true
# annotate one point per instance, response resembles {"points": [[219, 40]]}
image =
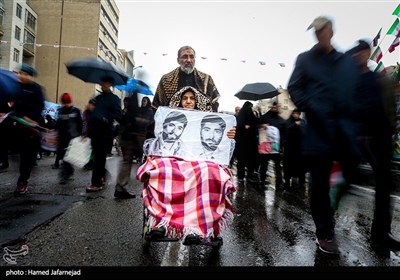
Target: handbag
{"points": [[79, 151]]}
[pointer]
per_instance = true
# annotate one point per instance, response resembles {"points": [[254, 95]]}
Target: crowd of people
{"points": [[344, 113]]}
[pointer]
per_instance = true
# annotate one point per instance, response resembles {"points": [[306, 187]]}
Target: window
{"points": [[30, 20], [18, 12], [1, 16], [17, 33], [28, 37], [16, 55]]}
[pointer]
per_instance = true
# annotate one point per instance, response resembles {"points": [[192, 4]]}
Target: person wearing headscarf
{"points": [[168, 179], [246, 143], [293, 162], [86, 113], [133, 129]]}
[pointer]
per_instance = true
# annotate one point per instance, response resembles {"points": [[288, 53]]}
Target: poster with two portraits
{"points": [[202, 135]]}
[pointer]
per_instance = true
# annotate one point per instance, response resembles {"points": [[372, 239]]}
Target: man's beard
{"points": [[212, 146], [187, 70], [167, 137]]}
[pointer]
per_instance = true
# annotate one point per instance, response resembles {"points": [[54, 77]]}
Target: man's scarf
{"points": [[187, 197], [169, 85]]}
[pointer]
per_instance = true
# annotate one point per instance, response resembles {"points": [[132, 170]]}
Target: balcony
{"points": [[29, 49]]}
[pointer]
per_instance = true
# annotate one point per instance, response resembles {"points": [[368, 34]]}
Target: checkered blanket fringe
{"points": [[187, 197]]}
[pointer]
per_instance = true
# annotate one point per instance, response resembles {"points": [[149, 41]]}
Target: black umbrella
{"points": [[257, 91], [92, 70]]}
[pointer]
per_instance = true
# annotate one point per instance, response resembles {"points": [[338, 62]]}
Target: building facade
{"points": [[71, 29], [285, 103], [18, 29]]}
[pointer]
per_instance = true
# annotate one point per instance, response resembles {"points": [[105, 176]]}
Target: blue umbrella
{"points": [[9, 85], [134, 85]]}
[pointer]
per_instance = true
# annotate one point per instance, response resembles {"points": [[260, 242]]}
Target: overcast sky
{"points": [[252, 31]]}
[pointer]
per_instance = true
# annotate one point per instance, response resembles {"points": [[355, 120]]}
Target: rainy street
{"points": [[63, 226]]}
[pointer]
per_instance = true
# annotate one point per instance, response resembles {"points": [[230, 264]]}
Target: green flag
{"points": [[380, 68], [397, 11], [395, 29], [22, 121]]}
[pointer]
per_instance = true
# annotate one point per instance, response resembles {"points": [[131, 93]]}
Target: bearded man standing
{"points": [[185, 75]]}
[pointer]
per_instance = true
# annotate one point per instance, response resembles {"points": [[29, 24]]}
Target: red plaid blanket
{"points": [[187, 197]]}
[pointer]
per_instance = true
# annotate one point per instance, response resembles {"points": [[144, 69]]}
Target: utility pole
{"points": [[59, 50]]}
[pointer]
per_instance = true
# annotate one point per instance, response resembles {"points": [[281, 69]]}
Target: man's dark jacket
{"points": [[324, 87], [107, 110], [29, 102]]}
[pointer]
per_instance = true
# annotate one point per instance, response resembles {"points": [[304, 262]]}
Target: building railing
{"points": [[30, 48]]}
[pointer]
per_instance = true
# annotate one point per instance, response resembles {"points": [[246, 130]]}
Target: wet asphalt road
{"points": [[63, 226]]}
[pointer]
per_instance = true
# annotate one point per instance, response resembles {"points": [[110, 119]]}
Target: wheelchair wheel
{"points": [[145, 242], [219, 242]]}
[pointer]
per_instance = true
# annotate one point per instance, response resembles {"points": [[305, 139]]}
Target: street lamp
{"points": [[133, 70]]}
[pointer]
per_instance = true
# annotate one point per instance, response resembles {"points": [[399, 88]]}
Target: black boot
{"points": [[122, 193]]}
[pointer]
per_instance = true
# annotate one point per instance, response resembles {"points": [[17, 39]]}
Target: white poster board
{"points": [[178, 133]]}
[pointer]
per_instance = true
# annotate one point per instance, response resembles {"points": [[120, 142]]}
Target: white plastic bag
{"points": [[78, 152]]}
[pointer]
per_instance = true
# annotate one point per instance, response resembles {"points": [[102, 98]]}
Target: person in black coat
{"points": [[246, 143], [293, 162], [28, 105], [376, 117], [107, 110], [323, 86], [70, 124], [87, 113], [134, 125], [6, 131]]}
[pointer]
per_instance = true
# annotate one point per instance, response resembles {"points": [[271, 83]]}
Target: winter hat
{"points": [[66, 98], [107, 79], [362, 45], [319, 23], [28, 69]]}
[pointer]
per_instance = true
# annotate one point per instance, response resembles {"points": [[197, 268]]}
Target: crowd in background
{"points": [[322, 129]]}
